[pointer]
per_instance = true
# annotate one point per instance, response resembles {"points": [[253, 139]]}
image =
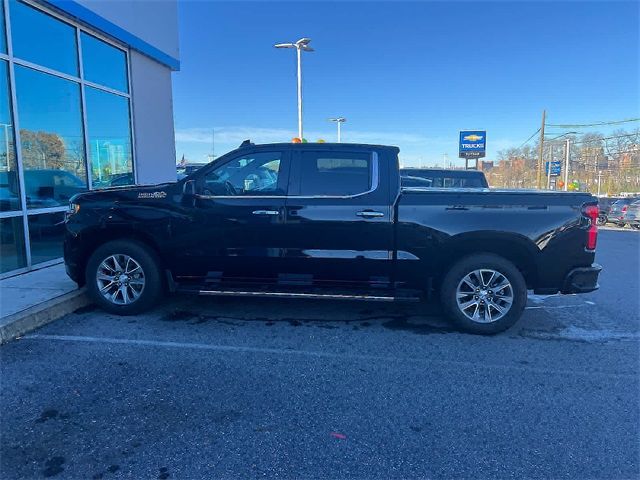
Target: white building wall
{"points": [[155, 146], [154, 21]]}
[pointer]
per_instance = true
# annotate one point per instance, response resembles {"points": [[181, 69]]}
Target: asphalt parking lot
{"points": [[236, 388]]}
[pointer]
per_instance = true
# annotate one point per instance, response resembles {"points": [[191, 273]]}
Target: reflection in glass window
{"points": [[109, 138], [46, 234], [9, 189], [256, 174], [3, 31], [340, 173], [42, 39], [51, 137], [12, 252], [103, 63]]}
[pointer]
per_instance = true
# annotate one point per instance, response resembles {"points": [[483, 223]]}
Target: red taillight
{"points": [[624, 209], [591, 212]]}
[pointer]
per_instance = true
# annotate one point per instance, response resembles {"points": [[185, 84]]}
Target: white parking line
{"points": [[280, 351], [540, 300], [556, 307]]}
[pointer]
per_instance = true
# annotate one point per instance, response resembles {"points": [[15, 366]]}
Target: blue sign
{"points": [[473, 143], [556, 168]]}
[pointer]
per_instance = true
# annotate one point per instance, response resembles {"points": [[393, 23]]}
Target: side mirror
{"points": [[189, 188]]}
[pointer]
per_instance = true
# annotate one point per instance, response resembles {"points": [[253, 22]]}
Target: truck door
{"points": [[238, 219], [338, 218]]}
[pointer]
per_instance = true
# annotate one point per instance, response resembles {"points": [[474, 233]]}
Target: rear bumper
{"points": [[582, 280]]}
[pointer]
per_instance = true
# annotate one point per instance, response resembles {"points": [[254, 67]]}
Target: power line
{"points": [[596, 124], [527, 140], [609, 138]]}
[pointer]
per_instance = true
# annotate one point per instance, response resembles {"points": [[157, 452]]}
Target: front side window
{"points": [[252, 174], [42, 39], [335, 174]]}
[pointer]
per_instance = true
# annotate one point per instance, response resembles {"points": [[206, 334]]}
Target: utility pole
{"points": [[567, 153], [540, 159]]}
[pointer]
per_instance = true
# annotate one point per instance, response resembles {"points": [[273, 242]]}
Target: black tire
{"points": [[602, 220], [150, 265], [635, 226], [454, 277]]}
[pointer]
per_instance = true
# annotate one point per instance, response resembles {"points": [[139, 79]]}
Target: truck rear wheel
{"points": [[124, 277], [483, 294]]}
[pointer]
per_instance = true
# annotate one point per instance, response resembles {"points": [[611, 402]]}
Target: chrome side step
{"points": [[321, 296]]}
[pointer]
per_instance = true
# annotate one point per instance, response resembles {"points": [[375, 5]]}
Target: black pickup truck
{"points": [[330, 221]]}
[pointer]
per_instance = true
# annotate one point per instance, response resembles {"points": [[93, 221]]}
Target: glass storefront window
{"points": [[46, 233], [9, 186], [12, 251], [3, 31], [42, 39], [50, 93], [51, 137], [109, 138], [103, 63]]}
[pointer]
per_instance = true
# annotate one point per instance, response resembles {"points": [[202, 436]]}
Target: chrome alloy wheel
{"points": [[120, 279], [484, 296]]}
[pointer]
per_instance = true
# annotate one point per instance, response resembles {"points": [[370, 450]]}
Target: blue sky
{"points": [[410, 74]]}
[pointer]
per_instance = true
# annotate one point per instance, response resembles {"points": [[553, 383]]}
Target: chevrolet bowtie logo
{"points": [[473, 138]]}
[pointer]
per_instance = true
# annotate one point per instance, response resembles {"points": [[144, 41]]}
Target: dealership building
{"points": [[85, 104]]}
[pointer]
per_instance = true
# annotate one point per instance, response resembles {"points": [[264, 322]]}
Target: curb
{"points": [[19, 323]]}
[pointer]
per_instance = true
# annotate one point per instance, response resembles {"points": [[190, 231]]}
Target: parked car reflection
{"points": [[43, 188], [118, 180], [631, 216]]}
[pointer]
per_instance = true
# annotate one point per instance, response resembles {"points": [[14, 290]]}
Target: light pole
{"points": [[567, 154], [300, 45], [599, 181], [339, 121], [6, 142], [549, 167]]}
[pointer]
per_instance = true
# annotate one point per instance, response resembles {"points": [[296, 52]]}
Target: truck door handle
{"points": [[265, 212], [369, 214]]}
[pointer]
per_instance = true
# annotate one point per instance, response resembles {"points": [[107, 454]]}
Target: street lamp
{"points": [[300, 45], [339, 121]]}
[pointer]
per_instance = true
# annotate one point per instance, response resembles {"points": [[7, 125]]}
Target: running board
{"points": [[315, 296]]}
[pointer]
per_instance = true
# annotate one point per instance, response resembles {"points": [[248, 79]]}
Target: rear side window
{"points": [[457, 182], [335, 174], [418, 178]]}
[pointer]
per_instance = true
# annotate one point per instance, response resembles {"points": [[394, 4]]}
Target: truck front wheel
{"points": [[483, 294], [124, 277]]}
